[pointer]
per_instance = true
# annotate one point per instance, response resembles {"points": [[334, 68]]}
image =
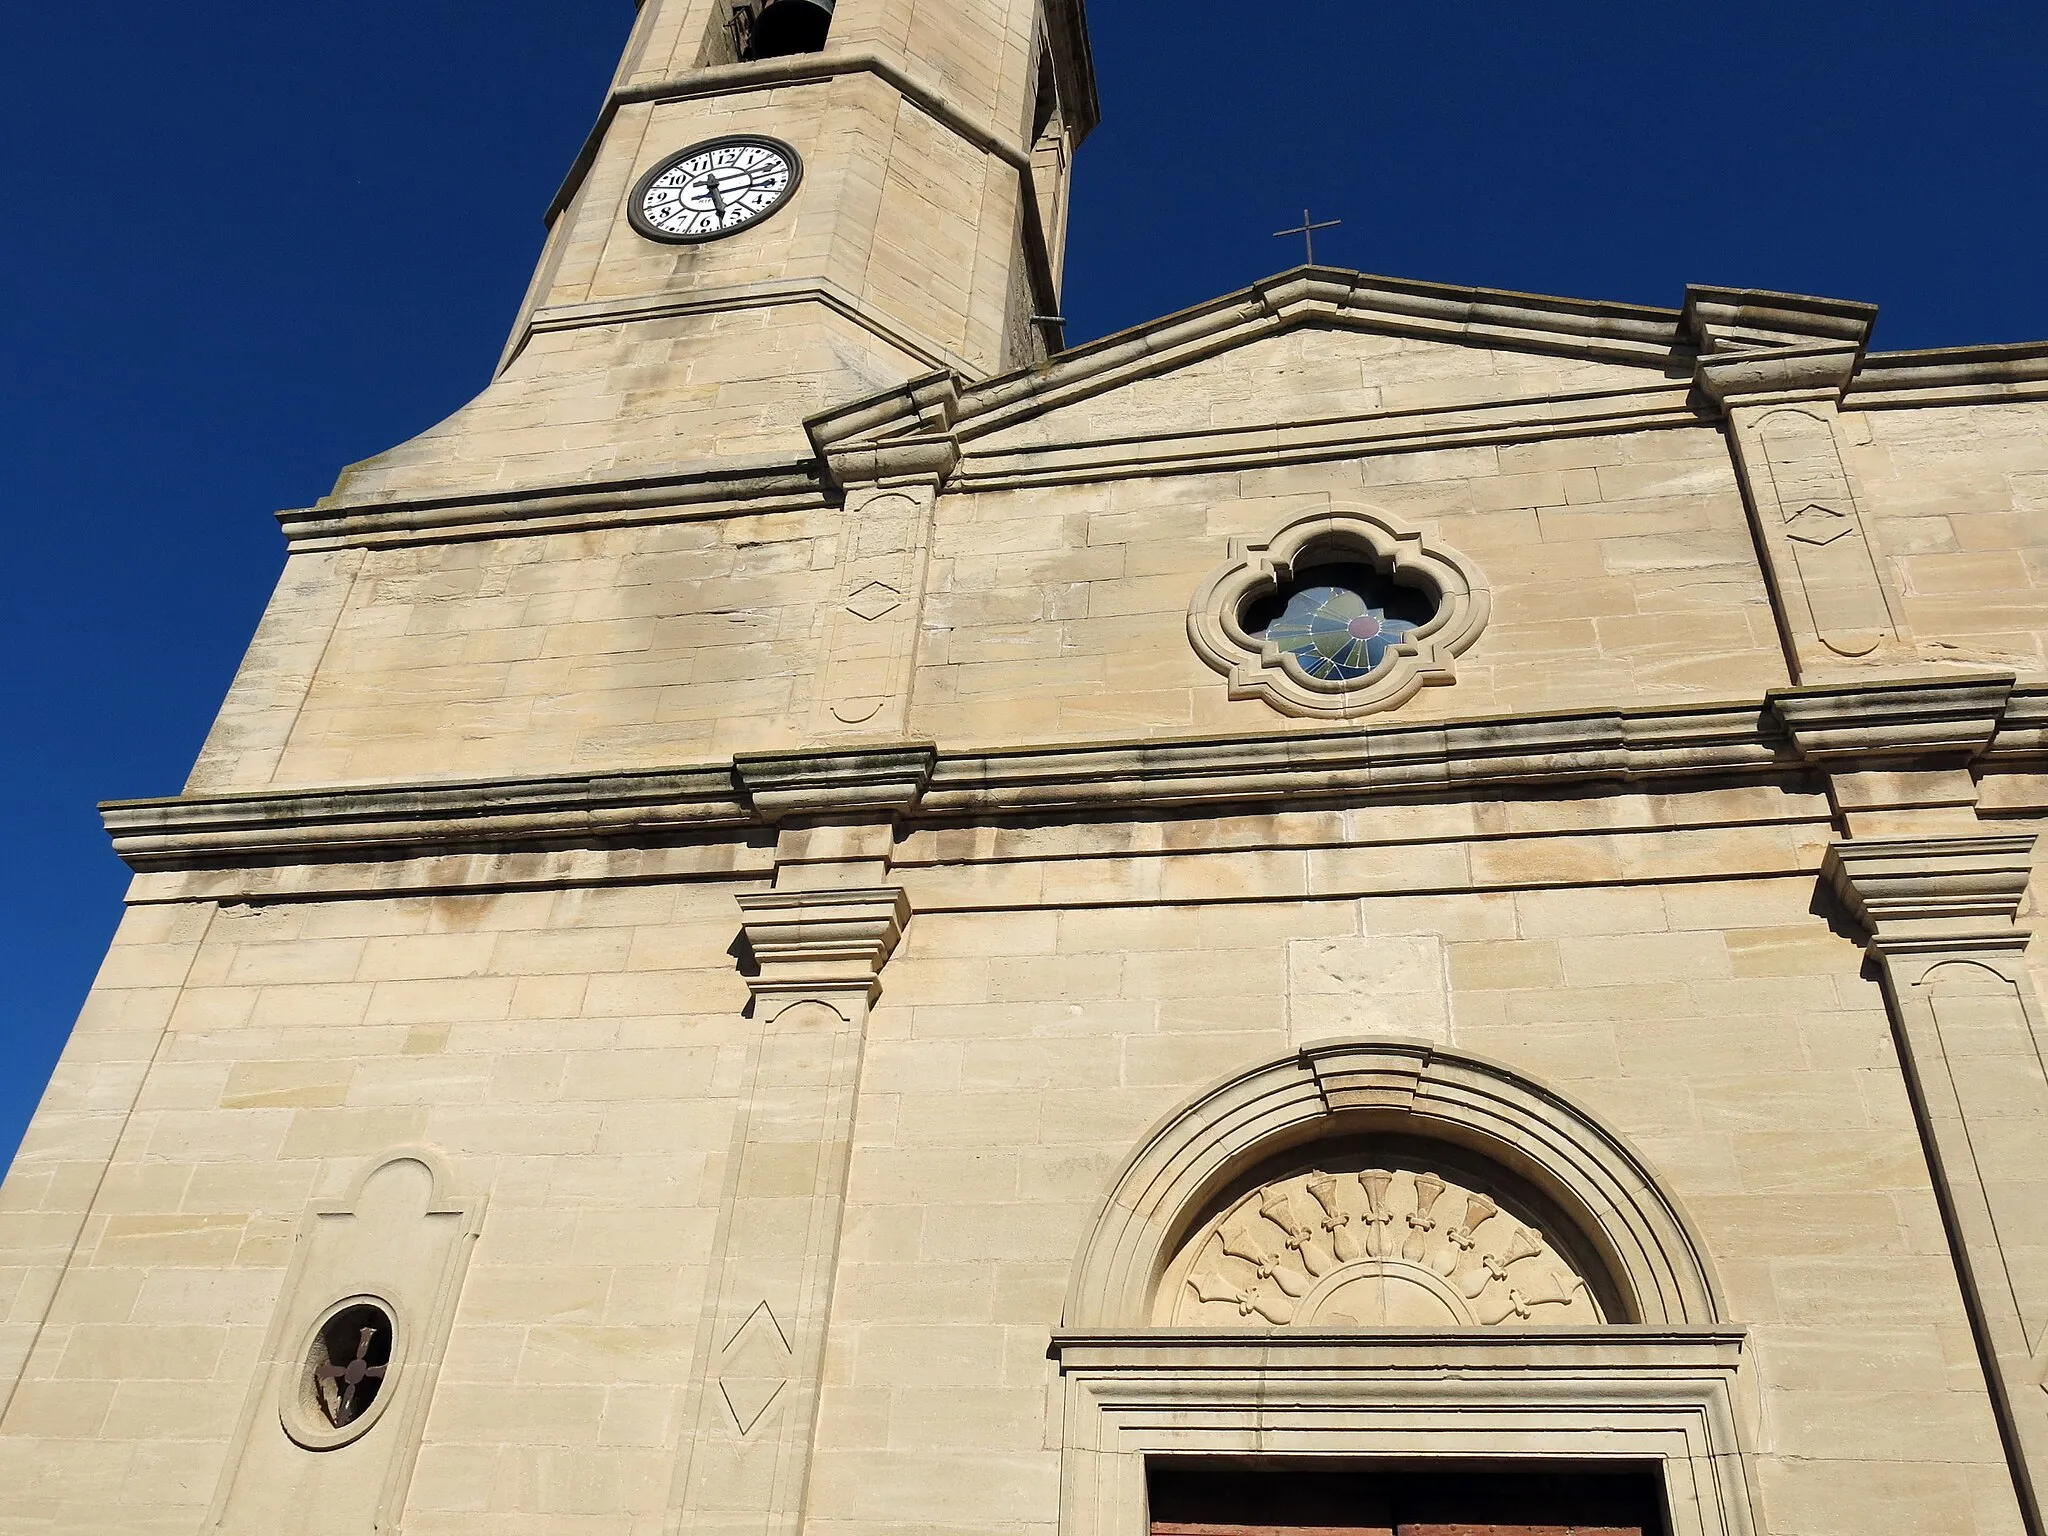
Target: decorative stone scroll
{"points": [[1261, 668], [1375, 1247]]}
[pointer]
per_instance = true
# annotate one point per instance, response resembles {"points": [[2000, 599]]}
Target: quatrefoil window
{"points": [[1338, 614], [1340, 622]]}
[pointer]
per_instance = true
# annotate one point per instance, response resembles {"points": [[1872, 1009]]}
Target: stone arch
{"points": [[1655, 1264]]}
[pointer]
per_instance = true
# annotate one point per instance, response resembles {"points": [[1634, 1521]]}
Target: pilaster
{"points": [[1940, 917], [891, 495], [814, 947], [1778, 367]]}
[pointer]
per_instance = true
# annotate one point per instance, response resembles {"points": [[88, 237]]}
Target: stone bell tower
{"points": [[931, 145]]}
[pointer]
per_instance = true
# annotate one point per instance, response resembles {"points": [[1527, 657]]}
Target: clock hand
{"points": [[717, 200]]}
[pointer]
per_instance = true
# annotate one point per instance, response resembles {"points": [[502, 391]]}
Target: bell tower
{"points": [[930, 144]]}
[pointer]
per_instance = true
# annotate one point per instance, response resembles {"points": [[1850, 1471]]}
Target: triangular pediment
{"points": [[1319, 361]]}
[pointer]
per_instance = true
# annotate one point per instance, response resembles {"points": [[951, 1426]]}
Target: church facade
{"points": [[1373, 906]]}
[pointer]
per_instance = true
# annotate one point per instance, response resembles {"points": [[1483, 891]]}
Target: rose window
{"points": [[1339, 622]]}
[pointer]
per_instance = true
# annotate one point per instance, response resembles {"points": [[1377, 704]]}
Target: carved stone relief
{"points": [[1374, 1247]]}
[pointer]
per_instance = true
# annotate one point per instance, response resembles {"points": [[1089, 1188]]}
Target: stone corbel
{"points": [[1934, 895], [1941, 915], [1945, 716], [1732, 319], [821, 943], [925, 460]]}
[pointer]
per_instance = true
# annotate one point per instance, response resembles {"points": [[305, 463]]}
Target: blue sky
{"points": [[248, 243]]}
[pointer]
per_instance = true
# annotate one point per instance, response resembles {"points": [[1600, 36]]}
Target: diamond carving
{"points": [[873, 600], [754, 1368], [1815, 524]]}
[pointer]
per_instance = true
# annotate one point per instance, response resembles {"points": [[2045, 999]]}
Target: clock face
{"points": [[716, 188]]}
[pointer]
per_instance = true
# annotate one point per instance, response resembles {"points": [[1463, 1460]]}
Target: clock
{"points": [[713, 189]]}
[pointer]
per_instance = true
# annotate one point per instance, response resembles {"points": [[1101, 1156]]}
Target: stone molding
{"points": [[1912, 717], [1659, 1395], [1935, 895], [1723, 319], [1951, 376], [738, 486], [1771, 377], [1261, 670], [1335, 1088], [885, 779], [661, 306], [1823, 727], [816, 944]]}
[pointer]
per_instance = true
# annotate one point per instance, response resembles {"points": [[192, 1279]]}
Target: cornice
{"points": [[735, 486], [404, 820], [922, 350], [1736, 319], [1988, 375], [1629, 333], [1828, 729], [1649, 1347]]}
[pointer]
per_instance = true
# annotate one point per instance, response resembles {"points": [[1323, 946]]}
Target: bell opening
{"points": [[789, 26]]}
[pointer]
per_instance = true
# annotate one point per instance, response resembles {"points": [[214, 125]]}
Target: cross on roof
{"points": [[1307, 230]]}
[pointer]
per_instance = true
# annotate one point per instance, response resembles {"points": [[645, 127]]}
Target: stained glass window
{"points": [[1338, 621]]}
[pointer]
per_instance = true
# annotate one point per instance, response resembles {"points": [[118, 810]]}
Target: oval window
{"points": [[351, 1355], [344, 1376]]}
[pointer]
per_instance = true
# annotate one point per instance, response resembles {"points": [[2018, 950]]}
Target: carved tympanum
{"points": [[1377, 1247]]}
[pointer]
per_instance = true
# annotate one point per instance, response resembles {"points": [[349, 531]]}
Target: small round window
{"points": [[1339, 621], [344, 1377], [350, 1358]]}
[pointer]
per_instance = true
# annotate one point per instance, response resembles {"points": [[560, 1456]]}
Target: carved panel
{"points": [[1375, 1247]]}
